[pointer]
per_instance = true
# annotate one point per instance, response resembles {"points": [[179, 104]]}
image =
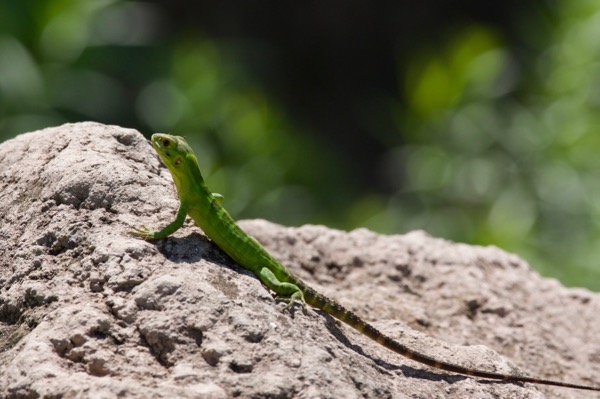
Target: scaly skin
{"points": [[206, 210]]}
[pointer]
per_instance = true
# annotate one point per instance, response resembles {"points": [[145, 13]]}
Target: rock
{"points": [[88, 311]]}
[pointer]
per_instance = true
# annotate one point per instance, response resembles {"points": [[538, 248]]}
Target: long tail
{"points": [[317, 300]]}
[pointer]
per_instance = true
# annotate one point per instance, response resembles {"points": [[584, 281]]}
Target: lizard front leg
{"points": [[151, 234]]}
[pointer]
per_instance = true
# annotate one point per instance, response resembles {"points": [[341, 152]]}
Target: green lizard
{"points": [[206, 209]]}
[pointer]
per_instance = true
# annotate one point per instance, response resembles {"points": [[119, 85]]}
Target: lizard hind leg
{"points": [[296, 297], [286, 292]]}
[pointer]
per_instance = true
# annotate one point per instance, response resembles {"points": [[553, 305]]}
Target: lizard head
{"points": [[178, 157]]}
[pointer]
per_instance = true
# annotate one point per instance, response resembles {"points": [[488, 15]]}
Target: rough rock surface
{"points": [[87, 311]]}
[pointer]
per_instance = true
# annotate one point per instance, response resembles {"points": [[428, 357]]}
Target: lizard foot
{"points": [[296, 298], [142, 232]]}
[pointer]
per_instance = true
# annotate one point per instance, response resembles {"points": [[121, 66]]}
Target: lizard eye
{"points": [[166, 143]]}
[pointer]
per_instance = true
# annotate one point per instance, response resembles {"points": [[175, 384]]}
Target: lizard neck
{"points": [[189, 179]]}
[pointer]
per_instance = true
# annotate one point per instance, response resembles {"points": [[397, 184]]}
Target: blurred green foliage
{"points": [[504, 153], [493, 148]]}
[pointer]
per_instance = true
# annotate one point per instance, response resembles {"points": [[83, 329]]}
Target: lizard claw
{"points": [[142, 232], [296, 297]]}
